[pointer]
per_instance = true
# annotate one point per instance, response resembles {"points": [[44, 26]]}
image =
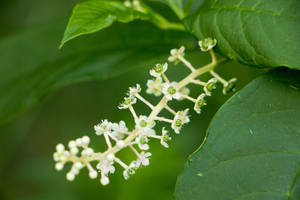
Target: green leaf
{"points": [[252, 149], [255, 32], [31, 66], [94, 15], [183, 8]]}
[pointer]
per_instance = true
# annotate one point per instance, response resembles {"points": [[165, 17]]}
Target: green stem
{"points": [[162, 22]]}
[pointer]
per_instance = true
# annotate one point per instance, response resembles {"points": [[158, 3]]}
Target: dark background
{"points": [[28, 141]]}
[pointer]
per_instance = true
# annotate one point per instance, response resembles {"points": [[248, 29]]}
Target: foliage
{"points": [[257, 156]]}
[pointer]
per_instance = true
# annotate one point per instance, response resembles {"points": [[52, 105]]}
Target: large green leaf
{"points": [[94, 15], [31, 65], [182, 8], [255, 32], [252, 149]]}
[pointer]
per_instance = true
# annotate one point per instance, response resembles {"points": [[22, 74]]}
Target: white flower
{"points": [[171, 91], [229, 86], [130, 170], [158, 70], [200, 102], [209, 86], [104, 127], [207, 44], [165, 138], [127, 102], [142, 142], [106, 166], [144, 125], [143, 159], [179, 120], [176, 54], [118, 130], [154, 86], [133, 91]]}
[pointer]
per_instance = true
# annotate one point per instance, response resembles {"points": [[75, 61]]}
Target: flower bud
{"points": [[72, 144], [60, 148], [104, 180], [93, 174], [78, 165], [59, 166], [70, 176]]}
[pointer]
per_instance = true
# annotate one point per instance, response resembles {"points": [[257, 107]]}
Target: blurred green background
{"points": [[28, 141]]}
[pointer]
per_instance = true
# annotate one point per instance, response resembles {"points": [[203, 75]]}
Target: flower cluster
{"points": [[117, 136]]}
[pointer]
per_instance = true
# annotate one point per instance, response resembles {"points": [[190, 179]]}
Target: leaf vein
{"points": [[256, 11]]}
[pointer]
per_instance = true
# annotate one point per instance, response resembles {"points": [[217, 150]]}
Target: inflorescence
{"points": [[117, 136]]}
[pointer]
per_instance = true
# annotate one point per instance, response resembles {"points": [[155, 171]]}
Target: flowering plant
{"points": [[248, 140]]}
